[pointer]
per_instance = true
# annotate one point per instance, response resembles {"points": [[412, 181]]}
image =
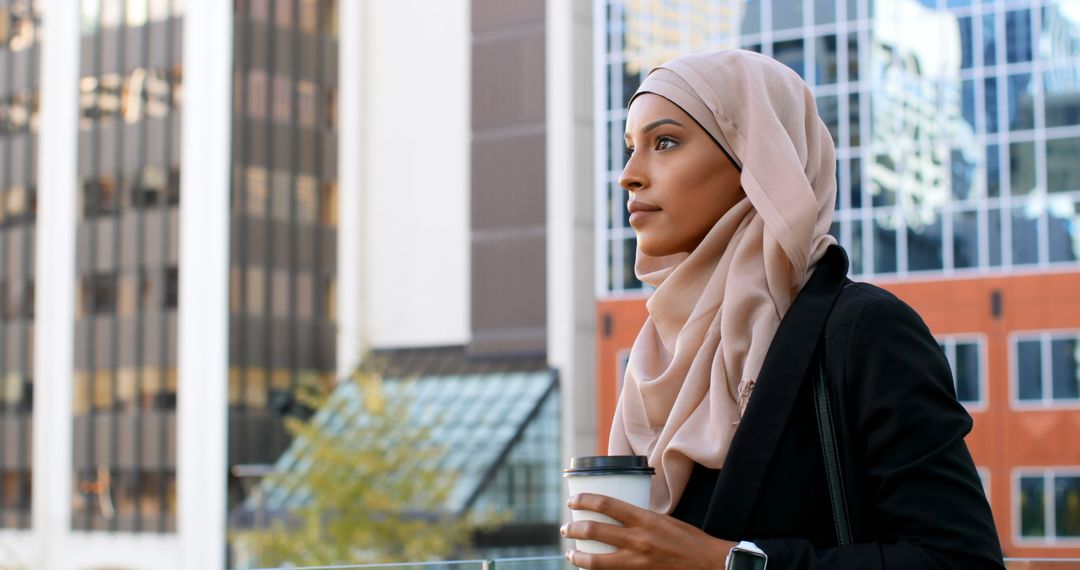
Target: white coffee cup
{"points": [[624, 477]]}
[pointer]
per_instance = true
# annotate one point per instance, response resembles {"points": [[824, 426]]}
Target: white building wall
{"points": [[416, 180]]}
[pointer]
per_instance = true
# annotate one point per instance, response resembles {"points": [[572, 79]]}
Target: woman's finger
{"points": [[616, 536], [619, 510], [591, 561]]}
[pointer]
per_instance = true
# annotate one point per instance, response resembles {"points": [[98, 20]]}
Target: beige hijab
{"points": [[715, 311]]}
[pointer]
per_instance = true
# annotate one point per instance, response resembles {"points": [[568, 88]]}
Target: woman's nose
{"points": [[631, 178]]}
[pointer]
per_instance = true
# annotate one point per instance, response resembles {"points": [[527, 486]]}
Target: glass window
{"points": [[258, 94], [787, 15], [1032, 506], [280, 201], [827, 60], [967, 43], [989, 43], [283, 93], [91, 16], [965, 239], [1025, 233], [967, 106], [1061, 96], [854, 134], [1029, 369], [1059, 24], [329, 210], [1065, 368], [827, 107], [256, 191], [1063, 229], [990, 96], [309, 16], [98, 294], [307, 199], [925, 243], [158, 10], [993, 171], [967, 364], [853, 56], [1062, 168], [306, 104], [885, 244], [260, 10], [791, 52], [1018, 42], [995, 236], [256, 287], [856, 183], [824, 11], [172, 287], [1067, 506], [751, 18], [279, 293], [283, 13], [1021, 102], [1021, 168]]}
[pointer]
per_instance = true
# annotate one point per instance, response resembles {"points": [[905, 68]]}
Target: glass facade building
{"points": [[955, 124], [957, 127], [20, 56]]}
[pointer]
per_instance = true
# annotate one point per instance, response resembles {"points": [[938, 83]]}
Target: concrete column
{"points": [[351, 288], [571, 302], [54, 305], [203, 341]]}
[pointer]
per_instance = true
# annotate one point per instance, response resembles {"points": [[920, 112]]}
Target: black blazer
{"points": [[915, 498]]}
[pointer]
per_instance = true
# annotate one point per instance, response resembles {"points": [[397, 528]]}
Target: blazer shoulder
{"points": [[858, 301]]}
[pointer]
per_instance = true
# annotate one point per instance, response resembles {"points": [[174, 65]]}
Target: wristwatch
{"points": [[746, 556]]}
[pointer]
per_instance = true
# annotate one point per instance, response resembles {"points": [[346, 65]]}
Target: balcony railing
{"points": [[558, 563]]}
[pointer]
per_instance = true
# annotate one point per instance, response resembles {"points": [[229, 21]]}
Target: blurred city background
{"points": [[224, 224]]}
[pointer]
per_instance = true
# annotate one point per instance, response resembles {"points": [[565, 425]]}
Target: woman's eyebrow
{"points": [[655, 124]]}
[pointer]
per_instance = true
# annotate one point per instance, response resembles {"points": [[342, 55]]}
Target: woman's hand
{"points": [[647, 540]]}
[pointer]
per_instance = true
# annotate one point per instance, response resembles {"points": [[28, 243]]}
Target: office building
{"points": [[956, 125]]}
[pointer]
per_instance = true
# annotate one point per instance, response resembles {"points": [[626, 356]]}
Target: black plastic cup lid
{"points": [[609, 465]]}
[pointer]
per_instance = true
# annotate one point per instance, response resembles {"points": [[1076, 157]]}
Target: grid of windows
{"points": [[130, 98], [20, 57], [284, 219], [966, 358], [953, 155], [1046, 369], [1048, 509]]}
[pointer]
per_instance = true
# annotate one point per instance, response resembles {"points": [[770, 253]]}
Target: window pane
{"points": [[791, 53], [1025, 234], [994, 233], [991, 97], [1061, 96], [1021, 168], [1032, 506], [967, 371], [1021, 103], [993, 171], [1018, 36], [1062, 168], [966, 43], [787, 15], [885, 244], [1029, 369], [857, 251], [1064, 369], [1063, 229], [827, 67], [963, 172], [829, 111], [925, 242], [1067, 506], [989, 44]]}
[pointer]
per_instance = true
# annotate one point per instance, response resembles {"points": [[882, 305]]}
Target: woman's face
{"points": [[679, 179]]}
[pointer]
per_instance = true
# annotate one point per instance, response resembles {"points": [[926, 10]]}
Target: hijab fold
{"points": [[715, 310]]}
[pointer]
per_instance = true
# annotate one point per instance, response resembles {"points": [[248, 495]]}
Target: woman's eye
{"points": [[629, 150], [664, 143]]}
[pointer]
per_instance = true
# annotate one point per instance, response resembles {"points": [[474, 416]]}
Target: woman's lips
{"points": [[640, 211]]}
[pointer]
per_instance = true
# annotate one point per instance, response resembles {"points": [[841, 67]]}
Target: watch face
{"points": [[745, 560]]}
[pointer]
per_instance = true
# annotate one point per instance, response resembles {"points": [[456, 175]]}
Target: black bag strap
{"points": [[833, 470]]}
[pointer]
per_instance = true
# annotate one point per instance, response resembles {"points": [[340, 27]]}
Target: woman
{"points": [[732, 185]]}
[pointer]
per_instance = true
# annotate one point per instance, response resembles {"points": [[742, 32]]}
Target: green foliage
{"points": [[373, 493]]}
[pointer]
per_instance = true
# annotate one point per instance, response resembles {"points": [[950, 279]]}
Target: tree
{"points": [[370, 482]]}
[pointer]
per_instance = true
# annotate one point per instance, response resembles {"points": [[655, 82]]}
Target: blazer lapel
{"points": [[786, 363]]}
